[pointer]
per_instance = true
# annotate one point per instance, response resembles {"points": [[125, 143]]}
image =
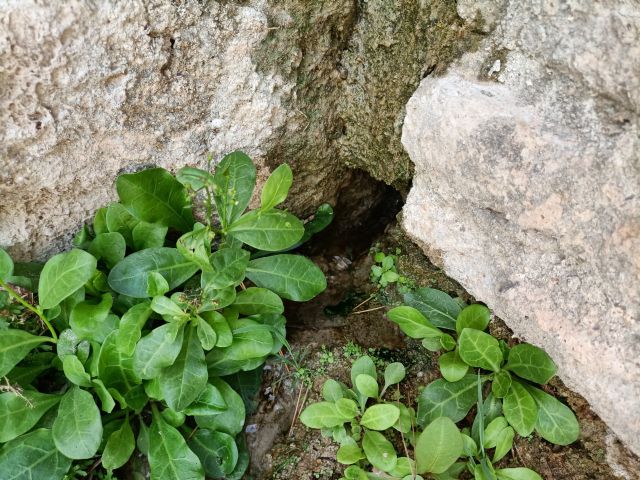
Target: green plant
{"points": [[150, 315], [385, 272]]}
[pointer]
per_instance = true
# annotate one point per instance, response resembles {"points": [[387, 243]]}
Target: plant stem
{"points": [[35, 310]]}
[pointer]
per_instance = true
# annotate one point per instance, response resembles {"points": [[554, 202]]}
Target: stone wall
{"points": [[527, 186]]}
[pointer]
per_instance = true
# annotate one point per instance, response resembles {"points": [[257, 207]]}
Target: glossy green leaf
{"points": [[119, 220], [234, 181], [452, 367], [209, 402], [255, 300], [169, 456], [276, 188], [19, 413], [229, 266], [129, 330], [520, 409], [474, 316], [119, 447], [439, 308], [194, 178], [380, 417], [531, 363], [129, 277], [367, 385], [217, 452], [379, 451], [501, 383], [173, 418], [231, 420], [519, 473], [62, 275], [148, 235], [108, 247], [271, 231], [14, 346], [77, 430], [479, 349], [412, 322], [155, 196], [74, 371], [32, 457], [556, 422], [291, 276], [92, 321], [447, 399], [157, 350], [184, 380], [438, 446]]}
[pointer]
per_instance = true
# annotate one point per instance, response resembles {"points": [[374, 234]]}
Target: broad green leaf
{"points": [[157, 285], [119, 447], [119, 220], [452, 366], [92, 321], [169, 456], [501, 383], [251, 340], [155, 196], [32, 457], [347, 408], [75, 372], [367, 385], [229, 266], [129, 277], [350, 453], [276, 187], [148, 235], [332, 390], [504, 443], [62, 275], [255, 300], [393, 373], [321, 220], [531, 363], [157, 350], [291, 276], [6, 266], [380, 417], [194, 178], [493, 430], [221, 327], [77, 430], [100, 221], [519, 473], [103, 393], [109, 247], [520, 409], [14, 346], [184, 380], [234, 181], [206, 334], [355, 473], [322, 415], [438, 446], [270, 231], [407, 418], [230, 421], [447, 342], [432, 344], [209, 402], [173, 418], [439, 308], [379, 451], [404, 467], [243, 460], [165, 306], [217, 452], [479, 349], [412, 322], [556, 422], [195, 246], [129, 330], [20, 412], [474, 316], [216, 299], [363, 365], [447, 399]]}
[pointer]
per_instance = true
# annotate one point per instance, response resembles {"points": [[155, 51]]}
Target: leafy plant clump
{"points": [[501, 382], [146, 318]]}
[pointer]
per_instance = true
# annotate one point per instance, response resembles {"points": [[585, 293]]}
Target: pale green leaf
{"points": [[556, 422], [531, 363], [520, 409], [479, 349], [474, 316], [380, 417], [413, 323], [379, 451], [120, 445], [438, 446], [77, 430], [291, 276], [234, 181], [276, 187], [64, 274], [452, 367]]}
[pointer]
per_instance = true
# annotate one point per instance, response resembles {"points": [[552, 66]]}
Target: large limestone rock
{"points": [[527, 187]]}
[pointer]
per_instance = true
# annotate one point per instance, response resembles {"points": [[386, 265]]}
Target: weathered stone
{"points": [[527, 189]]}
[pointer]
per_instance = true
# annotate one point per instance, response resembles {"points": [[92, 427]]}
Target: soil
{"points": [[327, 334]]}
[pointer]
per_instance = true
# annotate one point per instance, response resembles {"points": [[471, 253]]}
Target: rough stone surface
{"points": [[527, 188]]}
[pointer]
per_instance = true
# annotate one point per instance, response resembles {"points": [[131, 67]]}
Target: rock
{"points": [[527, 191]]}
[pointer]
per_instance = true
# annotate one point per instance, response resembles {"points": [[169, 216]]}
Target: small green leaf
{"points": [[493, 430], [129, 330], [520, 409], [157, 285], [501, 383], [439, 308], [452, 366], [120, 445], [447, 399], [92, 321], [194, 178], [350, 453], [33, 456], [19, 413], [106, 399], [14, 346], [206, 334], [234, 181], [432, 344], [155, 196], [479, 349], [363, 365], [62, 275], [77, 430], [6, 266], [229, 266], [367, 385], [165, 306], [474, 316], [332, 390], [109, 247], [556, 422], [412, 322], [119, 220], [195, 246], [355, 473], [447, 342], [217, 452], [347, 408], [379, 451], [393, 373], [270, 231], [531, 363], [251, 340], [276, 187], [438, 446], [173, 418], [220, 326], [504, 443], [209, 402], [322, 415], [75, 372], [519, 473], [254, 300], [148, 235], [157, 350], [380, 417], [231, 420], [291, 276]]}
